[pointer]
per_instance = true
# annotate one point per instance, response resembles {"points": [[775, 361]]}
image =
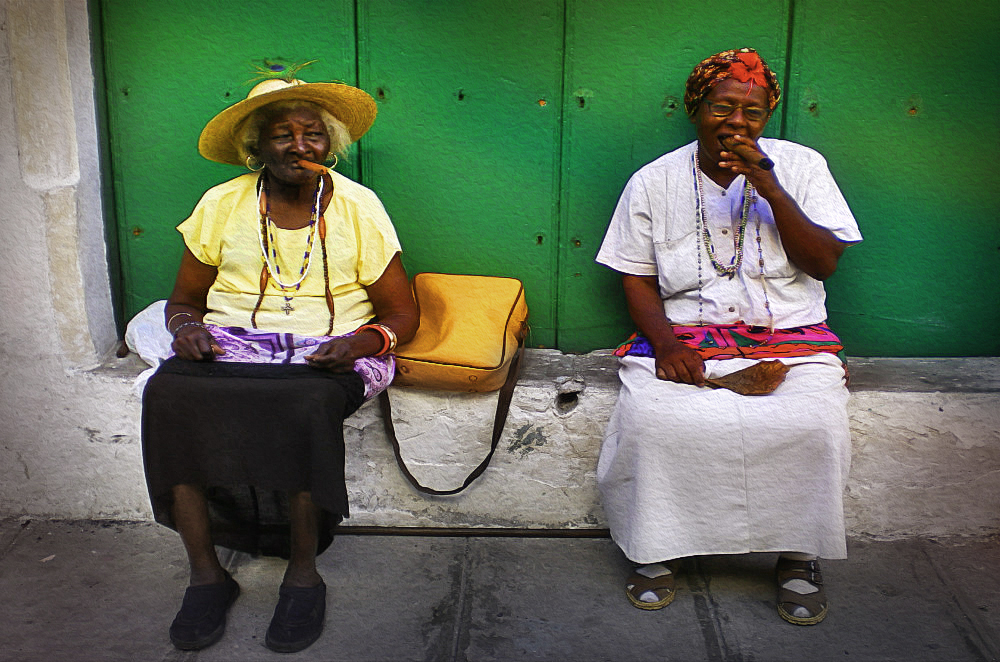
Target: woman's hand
{"points": [[762, 179], [195, 343], [679, 363], [813, 249], [339, 354], [675, 361], [395, 308]]}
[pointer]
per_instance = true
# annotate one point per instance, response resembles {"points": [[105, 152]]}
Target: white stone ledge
{"points": [[926, 436]]}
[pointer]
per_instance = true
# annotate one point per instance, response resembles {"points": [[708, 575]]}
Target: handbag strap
{"points": [[503, 406]]}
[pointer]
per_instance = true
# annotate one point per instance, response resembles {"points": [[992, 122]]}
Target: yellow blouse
{"points": [[223, 231]]}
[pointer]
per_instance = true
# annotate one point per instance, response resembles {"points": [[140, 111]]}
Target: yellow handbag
{"points": [[472, 329]]}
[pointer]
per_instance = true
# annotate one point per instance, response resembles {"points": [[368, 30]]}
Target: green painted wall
{"points": [[506, 131], [903, 98]]}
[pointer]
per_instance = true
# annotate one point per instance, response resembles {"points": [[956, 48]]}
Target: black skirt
{"points": [[248, 434]]}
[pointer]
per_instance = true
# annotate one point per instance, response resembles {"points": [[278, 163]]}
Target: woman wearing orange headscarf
{"points": [[723, 245]]}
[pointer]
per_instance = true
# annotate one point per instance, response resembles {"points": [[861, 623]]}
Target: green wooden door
{"points": [[465, 152], [507, 130]]}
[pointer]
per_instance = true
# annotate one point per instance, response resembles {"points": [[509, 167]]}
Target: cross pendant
{"points": [[287, 308]]}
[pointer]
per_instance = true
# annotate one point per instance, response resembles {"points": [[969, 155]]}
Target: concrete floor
{"points": [[82, 591]]}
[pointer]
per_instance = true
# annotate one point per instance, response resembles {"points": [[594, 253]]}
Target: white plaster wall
{"points": [[55, 305], [925, 463]]}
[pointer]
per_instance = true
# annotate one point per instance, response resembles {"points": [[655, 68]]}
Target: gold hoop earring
{"points": [[260, 166], [333, 165]]}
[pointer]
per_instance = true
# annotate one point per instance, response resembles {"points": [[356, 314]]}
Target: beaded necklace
{"points": [[271, 270], [749, 199], [733, 267], [268, 246]]}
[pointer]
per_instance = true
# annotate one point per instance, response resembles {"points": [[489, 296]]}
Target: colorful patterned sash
{"points": [[729, 341]]}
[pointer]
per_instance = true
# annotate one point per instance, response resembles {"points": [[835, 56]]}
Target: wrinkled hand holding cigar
{"points": [[748, 154]]}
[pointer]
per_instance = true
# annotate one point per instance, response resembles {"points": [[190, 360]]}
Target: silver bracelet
{"points": [[198, 324], [175, 316]]}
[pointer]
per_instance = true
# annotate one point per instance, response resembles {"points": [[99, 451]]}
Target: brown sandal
{"points": [[788, 599], [662, 587]]}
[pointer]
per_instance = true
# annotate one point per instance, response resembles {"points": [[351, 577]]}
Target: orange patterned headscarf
{"points": [[743, 64]]}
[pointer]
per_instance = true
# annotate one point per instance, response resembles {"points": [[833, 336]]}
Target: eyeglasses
{"points": [[752, 113]]}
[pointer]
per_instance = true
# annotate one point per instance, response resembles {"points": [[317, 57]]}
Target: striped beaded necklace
{"points": [[731, 269], [271, 270]]}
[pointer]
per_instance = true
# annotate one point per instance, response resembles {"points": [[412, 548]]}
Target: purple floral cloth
{"points": [[254, 346]]}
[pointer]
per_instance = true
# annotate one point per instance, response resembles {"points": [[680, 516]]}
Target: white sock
{"points": [[652, 570]]}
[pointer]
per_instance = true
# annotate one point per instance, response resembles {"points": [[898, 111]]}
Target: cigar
{"points": [[315, 167], [748, 154]]}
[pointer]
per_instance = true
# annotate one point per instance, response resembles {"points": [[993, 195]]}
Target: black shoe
{"points": [[298, 618], [202, 618]]}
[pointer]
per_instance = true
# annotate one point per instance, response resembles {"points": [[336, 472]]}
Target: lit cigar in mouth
{"points": [[315, 167], [748, 154]]}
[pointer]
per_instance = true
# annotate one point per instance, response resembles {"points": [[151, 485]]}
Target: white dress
{"points": [[685, 470]]}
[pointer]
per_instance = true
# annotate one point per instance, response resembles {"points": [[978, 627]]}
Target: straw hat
{"points": [[354, 107]]}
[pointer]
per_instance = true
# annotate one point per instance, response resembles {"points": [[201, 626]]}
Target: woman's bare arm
{"points": [[187, 303], [675, 361], [394, 306]]}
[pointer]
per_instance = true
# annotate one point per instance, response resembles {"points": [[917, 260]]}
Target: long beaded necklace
{"points": [[272, 270], [268, 246], [733, 267], [749, 199]]}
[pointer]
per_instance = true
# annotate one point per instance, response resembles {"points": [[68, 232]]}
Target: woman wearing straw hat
{"points": [[722, 253], [288, 303]]}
